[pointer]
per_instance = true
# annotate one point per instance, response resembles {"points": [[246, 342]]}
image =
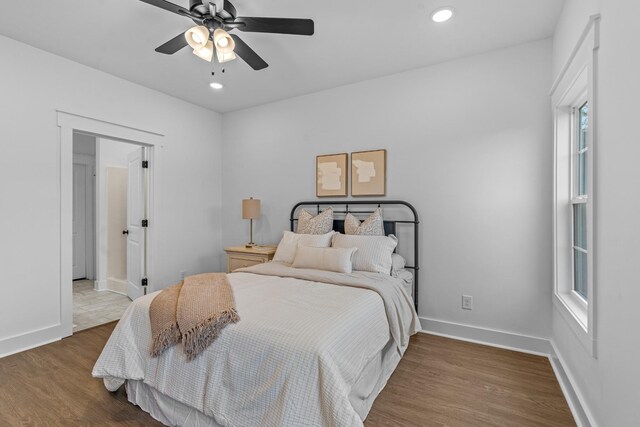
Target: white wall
{"points": [[469, 144], [84, 144], [571, 23], [114, 153], [34, 84], [84, 151], [609, 384]]}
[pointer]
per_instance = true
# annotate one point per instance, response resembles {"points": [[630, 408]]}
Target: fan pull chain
{"points": [[213, 68]]}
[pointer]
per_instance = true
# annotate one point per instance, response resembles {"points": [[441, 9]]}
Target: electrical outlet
{"points": [[467, 302], [183, 274]]}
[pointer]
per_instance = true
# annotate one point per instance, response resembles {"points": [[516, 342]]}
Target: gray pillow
{"points": [[319, 224], [372, 226]]}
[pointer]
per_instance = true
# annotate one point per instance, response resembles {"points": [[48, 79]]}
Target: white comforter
{"points": [[292, 360]]}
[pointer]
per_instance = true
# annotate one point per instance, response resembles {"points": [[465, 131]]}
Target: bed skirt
{"points": [[170, 412]]}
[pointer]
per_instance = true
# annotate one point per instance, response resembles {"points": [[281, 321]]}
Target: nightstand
{"points": [[241, 256]]}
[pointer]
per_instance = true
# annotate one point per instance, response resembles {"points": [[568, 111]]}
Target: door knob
{"points": [[125, 231]]}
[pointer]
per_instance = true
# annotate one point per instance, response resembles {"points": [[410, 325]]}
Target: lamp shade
{"points": [[223, 41], [205, 52], [197, 37], [250, 208], [225, 57]]}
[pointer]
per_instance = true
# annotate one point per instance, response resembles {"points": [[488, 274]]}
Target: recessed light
{"points": [[216, 85], [443, 14]]}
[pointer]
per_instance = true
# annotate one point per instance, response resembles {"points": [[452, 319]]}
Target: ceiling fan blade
{"points": [[248, 55], [163, 4], [173, 45], [229, 9], [302, 27]]}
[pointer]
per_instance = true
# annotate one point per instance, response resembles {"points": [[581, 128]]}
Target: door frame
{"points": [[68, 123]]}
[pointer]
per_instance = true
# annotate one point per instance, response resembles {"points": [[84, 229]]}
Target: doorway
{"points": [[109, 240], [68, 124]]}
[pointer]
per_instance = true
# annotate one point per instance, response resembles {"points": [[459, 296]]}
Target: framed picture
{"points": [[331, 175], [368, 173]]}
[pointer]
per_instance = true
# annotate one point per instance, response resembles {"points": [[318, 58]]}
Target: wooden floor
{"points": [[445, 382], [439, 382]]}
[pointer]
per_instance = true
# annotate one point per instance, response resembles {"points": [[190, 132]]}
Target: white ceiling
{"points": [[355, 40]]}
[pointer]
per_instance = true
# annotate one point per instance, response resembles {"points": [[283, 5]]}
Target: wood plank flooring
{"points": [[445, 382], [439, 382]]}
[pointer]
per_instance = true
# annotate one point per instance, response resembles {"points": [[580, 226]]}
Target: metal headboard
{"points": [[389, 225]]}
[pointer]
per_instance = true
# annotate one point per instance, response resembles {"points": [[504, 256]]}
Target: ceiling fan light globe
{"points": [[206, 52], [197, 37], [225, 57], [225, 46]]}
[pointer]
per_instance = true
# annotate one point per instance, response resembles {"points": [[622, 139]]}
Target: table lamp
{"points": [[250, 211]]}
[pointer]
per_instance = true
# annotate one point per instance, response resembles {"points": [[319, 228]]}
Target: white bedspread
{"points": [[292, 360]]}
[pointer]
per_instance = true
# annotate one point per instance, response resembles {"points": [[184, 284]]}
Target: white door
{"points": [[135, 215], [79, 221]]}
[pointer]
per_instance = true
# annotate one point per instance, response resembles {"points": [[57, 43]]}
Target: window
{"points": [[574, 102], [580, 125]]}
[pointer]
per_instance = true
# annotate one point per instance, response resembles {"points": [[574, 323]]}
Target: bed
{"points": [[312, 348]]}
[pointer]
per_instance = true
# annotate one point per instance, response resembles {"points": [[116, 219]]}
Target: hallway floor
{"points": [[93, 308]]}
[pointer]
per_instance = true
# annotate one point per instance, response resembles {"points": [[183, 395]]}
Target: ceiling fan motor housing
{"points": [[198, 6], [210, 18]]}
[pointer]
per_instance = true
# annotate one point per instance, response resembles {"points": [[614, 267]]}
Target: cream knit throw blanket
{"points": [[194, 311]]}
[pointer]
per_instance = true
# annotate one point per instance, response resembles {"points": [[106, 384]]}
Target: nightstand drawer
{"points": [[235, 263], [241, 256]]}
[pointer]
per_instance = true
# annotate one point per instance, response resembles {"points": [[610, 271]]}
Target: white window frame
{"points": [[575, 85], [576, 197]]}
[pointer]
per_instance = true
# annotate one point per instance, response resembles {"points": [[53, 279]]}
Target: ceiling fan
{"points": [[214, 19]]}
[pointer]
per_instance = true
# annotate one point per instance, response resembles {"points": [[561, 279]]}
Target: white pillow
{"points": [[330, 259], [397, 264], [374, 252], [286, 250]]}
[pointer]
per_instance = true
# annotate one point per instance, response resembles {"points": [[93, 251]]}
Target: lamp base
{"points": [[250, 244]]}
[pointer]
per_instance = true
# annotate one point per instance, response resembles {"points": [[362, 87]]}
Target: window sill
{"points": [[575, 314]]}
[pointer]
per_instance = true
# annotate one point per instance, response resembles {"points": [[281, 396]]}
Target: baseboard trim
{"points": [[485, 336], [29, 340], [576, 402], [113, 292], [100, 285]]}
